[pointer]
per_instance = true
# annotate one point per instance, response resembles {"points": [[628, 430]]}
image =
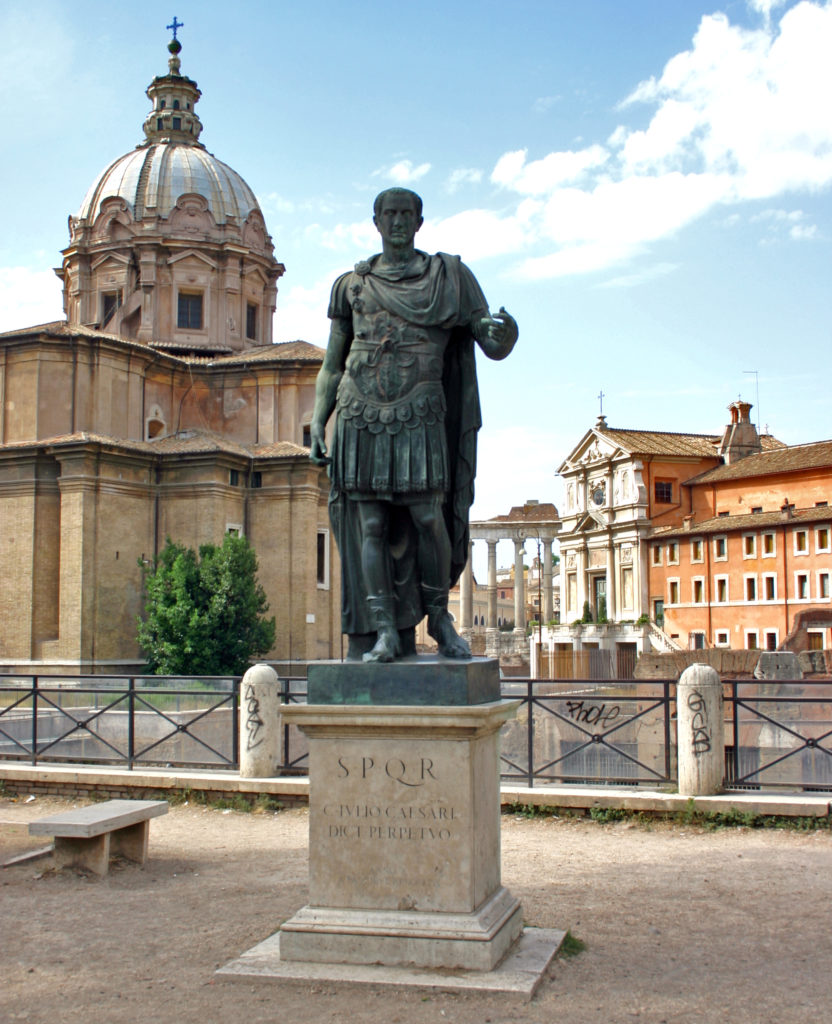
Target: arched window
{"points": [[176, 104]]}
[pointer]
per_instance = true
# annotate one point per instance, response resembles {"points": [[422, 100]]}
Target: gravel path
{"points": [[681, 925]]}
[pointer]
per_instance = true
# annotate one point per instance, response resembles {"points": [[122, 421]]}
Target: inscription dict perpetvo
{"points": [[389, 821]]}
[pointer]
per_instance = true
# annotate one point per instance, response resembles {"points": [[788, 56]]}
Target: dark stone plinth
{"points": [[421, 681]]}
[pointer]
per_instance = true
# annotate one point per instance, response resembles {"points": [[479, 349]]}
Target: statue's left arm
{"points": [[496, 335]]}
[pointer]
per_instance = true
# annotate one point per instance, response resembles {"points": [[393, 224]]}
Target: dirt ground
{"points": [[680, 925]]}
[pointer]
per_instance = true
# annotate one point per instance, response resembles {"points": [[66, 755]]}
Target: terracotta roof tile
{"points": [[784, 459], [543, 512], [748, 521], [657, 442], [288, 351], [279, 449]]}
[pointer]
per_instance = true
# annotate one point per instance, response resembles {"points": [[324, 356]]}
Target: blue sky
{"points": [[646, 185]]}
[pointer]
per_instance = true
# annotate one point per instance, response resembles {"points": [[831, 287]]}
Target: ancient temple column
{"points": [[519, 589], [491, 618], [548, 609], [466, 596]]}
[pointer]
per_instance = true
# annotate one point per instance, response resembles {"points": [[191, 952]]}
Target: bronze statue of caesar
{"points": [[400, 375]]}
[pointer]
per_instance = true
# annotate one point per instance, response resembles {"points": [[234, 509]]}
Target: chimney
{"points": [[740, 438]]}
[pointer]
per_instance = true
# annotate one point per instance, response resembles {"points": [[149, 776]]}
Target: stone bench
{"points": [[88, 836]]}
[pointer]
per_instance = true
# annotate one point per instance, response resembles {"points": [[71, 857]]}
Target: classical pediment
{"points": [[592, 450], [590, 521], [192, 254]]}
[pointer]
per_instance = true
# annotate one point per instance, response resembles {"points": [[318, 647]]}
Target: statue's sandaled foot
{"points": [[451, 644], [385, 648]]}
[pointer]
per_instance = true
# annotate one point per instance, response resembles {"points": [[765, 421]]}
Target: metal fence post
{"points": [[131, 720], [34, 720]]}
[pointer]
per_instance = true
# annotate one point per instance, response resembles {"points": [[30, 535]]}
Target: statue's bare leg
{"points": [[434, 554], [375, 565]]}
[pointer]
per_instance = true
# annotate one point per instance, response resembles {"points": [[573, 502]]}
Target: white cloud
{"points": [[544, 103], [803, 232], [404, 172], [358, 237], [510, 470], [739, 116], [301, 312], [640, 276], [478, 234], [28, 297], [463, 176], [542, 176]]}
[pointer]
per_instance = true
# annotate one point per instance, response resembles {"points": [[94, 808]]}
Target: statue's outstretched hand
{"points": [[318, 449], [498, 334]]}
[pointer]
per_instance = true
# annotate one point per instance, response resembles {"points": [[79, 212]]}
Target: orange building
{"points": [[750, 565]]}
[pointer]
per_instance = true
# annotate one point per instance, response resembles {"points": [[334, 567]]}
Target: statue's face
{"points": [[397, 222]]}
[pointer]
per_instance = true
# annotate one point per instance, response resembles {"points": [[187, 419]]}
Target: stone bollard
{"points": [[700, 731], [261, 737]]}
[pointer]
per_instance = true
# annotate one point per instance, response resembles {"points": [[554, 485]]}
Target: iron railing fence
{"points": [[778, 734], [588, 731], [121, 720], [614, 732]]}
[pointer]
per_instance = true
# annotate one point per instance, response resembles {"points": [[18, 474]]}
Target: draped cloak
{"points": [[430, 294]]}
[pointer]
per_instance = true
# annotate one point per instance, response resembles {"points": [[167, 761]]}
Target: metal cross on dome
{"points": [[601, 397], [175, 25]]}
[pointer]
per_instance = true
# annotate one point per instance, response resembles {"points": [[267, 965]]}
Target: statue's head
{"points": [[397, 192], [397, 213]]}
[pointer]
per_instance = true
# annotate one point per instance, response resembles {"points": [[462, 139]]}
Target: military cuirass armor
{"points": [[393, 373]]}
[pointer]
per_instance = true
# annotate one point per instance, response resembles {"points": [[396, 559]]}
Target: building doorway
{"points": [[658, 613]]}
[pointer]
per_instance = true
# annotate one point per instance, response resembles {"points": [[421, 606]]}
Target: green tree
{"points": [[204, 615]]}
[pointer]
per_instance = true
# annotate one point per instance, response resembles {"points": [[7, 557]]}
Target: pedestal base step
{"points": [[520, 973], [398, 938]]}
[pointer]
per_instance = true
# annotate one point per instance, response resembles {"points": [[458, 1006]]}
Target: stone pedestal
{"points": [[261, 730], [700, 725], [404, 837]]}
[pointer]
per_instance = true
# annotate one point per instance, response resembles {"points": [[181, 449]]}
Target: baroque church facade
{"points": [[159, 408]]}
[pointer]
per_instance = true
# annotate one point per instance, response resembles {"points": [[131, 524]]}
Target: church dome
{"points": [[170, 246], [155, 175]]}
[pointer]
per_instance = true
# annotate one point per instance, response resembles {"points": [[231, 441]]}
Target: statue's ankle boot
{"points": [[440, 623], [386, 646]]}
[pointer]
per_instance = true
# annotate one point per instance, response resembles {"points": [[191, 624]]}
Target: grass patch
{"points": [[263, 803], [604, 815], [571, 946]]}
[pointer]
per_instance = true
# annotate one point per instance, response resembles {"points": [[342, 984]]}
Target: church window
{"points": [[176, 104], [251, 321], [189, 312], [160, 124], [664, 492], [323, 559], [307, 435], [162, 104], [256, 478], [177, 124], [234, 477], [110, 301]]}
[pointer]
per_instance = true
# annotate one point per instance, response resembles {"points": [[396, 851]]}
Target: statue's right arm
{"points": [[326, 386]]}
